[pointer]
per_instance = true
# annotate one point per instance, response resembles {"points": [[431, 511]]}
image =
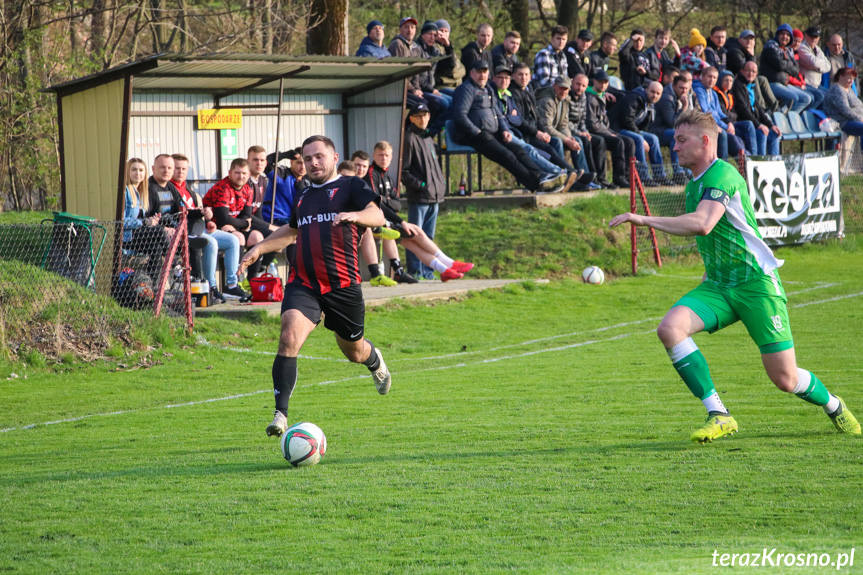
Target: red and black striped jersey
{"points": [[327, 255]]}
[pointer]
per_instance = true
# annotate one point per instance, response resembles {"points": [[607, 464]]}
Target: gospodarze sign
{"points": [[796, 199]]}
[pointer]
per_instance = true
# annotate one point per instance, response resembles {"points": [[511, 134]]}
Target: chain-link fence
{"points": [[76, 284], [663, 195]]}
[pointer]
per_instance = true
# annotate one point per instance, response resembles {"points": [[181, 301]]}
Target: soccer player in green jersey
{"points": [[741, 282]]}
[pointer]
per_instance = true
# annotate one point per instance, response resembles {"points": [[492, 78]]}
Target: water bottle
{"points": [[273, 270]]}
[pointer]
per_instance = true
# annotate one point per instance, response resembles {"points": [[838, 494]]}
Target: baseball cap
{"points": [[585, 34], [372, 24], [747, 34], [562, 81], [813, 32], [503, 69], [479, 65], [419, 108], [601, 75], [408, 19]]}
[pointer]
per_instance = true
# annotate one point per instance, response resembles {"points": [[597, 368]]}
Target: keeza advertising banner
{"points": [[796, 199]]}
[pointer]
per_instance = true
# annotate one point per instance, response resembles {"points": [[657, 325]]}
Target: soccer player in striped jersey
{"points": [[327, 221], [741, 282]]}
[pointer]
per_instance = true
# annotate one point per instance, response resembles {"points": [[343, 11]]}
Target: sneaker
{"points": [[278, 426], [216, 297], [381, 375], [714, 427], [552, 181], [594, 186], [462, 267], [404, 278], [235, 292], [382, 280], [451, 274], [843, 420], [621, 182], [570, 180], [387, 234]]}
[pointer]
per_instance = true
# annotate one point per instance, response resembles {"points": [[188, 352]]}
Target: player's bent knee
{"points": [[669, 333], [784, 381]]}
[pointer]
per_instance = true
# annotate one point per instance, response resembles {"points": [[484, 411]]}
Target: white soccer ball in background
{"points": [[304, 444], [592, 275]]}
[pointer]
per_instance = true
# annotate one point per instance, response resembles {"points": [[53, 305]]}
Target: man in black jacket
{"points": [[741, 50], [478, 123], [635, 67], [479, 50], [715, 53], [600, 57], [506, 53], [577, 55], [748, 106], [621, 147], [674, 101], [423, 181], [631, 117], [594, 148]]}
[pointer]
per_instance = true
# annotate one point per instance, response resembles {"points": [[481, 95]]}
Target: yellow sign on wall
{"points": [[223, 119]]}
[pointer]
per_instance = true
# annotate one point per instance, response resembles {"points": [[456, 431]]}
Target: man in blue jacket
{"points": [[373, 44], [728, 142]]}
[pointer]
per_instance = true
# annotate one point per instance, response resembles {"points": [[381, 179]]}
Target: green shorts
{"points": [[759, 304]]}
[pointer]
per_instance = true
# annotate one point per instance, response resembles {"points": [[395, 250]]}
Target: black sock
{"points": [[374, 270], [373, 362], [284, 380], [254, 269], [267, 259], [396, 266]]}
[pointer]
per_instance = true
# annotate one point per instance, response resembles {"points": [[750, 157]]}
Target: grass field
{"points": [[537, 429]]}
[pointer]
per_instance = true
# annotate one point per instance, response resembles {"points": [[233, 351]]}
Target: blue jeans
{"points": [[424, 216], [797, 100], [655, 153], [230, 244], [439, 108], [766, 144], [539, 159], [745, 131], [853, 128], [817, 96], [667, 139]]}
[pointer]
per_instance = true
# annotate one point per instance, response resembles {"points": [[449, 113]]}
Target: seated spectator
{"points": [[658, 61], [621, 147], [839, 58], [631, 117], [550, 62], [742, 50], [361, 161], [437, 102], [669, 73], [635, 69], [691, 56], [373, 44], [142, 233], [257, 157], [286, 182], [727, 142], [843, 105], [798, 81], [480, 49], [748, 104], [449, 71], [600, 57], [230, 200], [577, 55], [745, 128], [778, 65], [813, 64], [347, 168], [480, 125], [674, 101], [526, 121], [594, 148], [715, 53], [507, 107], [506, 53], [403, 45]]}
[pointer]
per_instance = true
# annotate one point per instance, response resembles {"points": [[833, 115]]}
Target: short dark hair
{"points": [[716, 29], [256, 150], [559, 31], [512, 34], [606, 36], [519, 66], [681, 77], [636, 31], [842, 71], [661, 32], [312, 139], [239, 163], [361, 155], [347, 166]]}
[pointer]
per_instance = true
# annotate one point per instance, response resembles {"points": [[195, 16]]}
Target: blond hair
{"points": [[701, 121], [142, 193], [384, 146]]}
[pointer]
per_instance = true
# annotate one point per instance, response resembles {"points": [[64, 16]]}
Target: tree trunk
{"points": [[567, 15], [518, 10], [327, 32]]}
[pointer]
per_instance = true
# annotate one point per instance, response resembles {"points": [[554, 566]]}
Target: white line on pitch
{"points": [[837, 298]]}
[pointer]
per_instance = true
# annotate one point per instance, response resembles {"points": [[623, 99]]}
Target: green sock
{"points": [[690, 364], [809, 388]]}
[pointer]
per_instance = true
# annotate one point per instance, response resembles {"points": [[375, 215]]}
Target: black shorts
{"points": [[344, 308]]}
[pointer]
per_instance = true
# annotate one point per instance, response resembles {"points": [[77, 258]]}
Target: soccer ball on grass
{"points": [[592, 275], [304, 444]]}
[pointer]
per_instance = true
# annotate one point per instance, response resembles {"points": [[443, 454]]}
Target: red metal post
{"points": [[633, 208]]}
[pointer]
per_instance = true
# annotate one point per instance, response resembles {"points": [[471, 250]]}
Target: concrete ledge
{"points": [[521, 199]]}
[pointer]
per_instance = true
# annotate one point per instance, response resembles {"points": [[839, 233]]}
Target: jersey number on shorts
{"points": [[777, 322]]}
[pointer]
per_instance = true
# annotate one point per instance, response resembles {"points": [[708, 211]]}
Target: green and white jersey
{"points": [[733, 251]]}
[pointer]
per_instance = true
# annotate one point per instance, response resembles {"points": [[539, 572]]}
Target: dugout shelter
{"points": [[168, 103]]}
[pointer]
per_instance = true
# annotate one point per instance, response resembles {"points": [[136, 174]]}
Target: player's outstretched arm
{"points": [[698, 223], [370, 217], [277, 241]]}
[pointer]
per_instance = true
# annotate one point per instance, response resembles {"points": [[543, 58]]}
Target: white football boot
{"points": [[381, 375], [279, 425]]}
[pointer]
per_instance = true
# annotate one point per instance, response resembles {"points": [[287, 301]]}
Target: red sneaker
{"points": [[462, 267], [451, 274]]}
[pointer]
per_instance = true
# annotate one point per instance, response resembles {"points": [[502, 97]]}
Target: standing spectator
{"points": [[257, 157], [450, 70], [635, 69], [631, 117], [657, 59], [778, 64], [813, 64], [715, 53], [839, 58], [438, 102], [142, 233], [748, 104], [480, 49], [843, 105], [674, 101], [424, 184], [594, 148], [361, 161], [480, 125], [728, 142], [577, 56], [621, 147], [372, 45], [506, 53], [691, 57], [600, 57], [550, 62]]}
